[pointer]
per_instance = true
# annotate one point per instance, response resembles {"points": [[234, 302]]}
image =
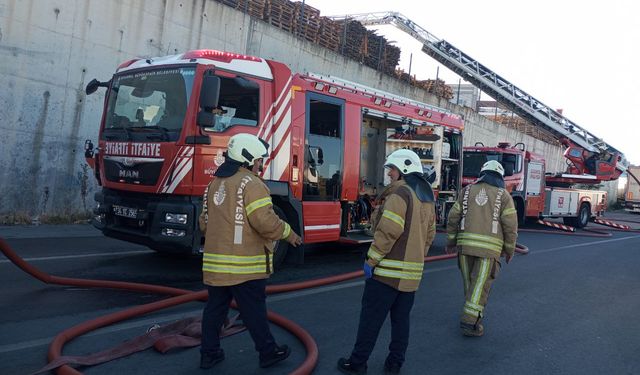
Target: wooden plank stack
{"points": [[347, 37], [523, 126], [329, 34], [306, 22], [255, 8], [353, 39], [281, 14]]}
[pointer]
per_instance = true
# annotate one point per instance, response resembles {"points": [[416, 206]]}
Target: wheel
{"points": [[280, 247], [581, 220], [583, 216]]}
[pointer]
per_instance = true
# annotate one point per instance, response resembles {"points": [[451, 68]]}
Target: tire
{"points": [[583, 216], [582, 219], [280, 247]]}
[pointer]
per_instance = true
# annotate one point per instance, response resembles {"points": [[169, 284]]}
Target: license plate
{"points": [[125, 211]]}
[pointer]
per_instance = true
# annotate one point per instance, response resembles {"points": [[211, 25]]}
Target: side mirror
{"points": [[210, 92], [88, 149], [93, 86], [320, 156]]}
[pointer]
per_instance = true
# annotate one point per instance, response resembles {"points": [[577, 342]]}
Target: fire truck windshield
{"points": [[148, 104], [473, 161]]}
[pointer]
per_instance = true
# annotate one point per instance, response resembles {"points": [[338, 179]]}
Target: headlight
{"points": [[175, 218], [173, 232]]}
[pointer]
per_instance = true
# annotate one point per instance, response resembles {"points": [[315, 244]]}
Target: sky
{"points": [[580, 57]]}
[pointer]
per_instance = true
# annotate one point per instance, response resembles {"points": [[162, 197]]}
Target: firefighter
{"points": [[238, 249], [483, 225], [403, 231]]}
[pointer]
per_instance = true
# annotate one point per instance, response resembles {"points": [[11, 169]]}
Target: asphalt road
{"points": [[569, 307]]}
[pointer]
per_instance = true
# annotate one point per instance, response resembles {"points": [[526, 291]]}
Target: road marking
{"points": [[582, 244], [94, 255]]}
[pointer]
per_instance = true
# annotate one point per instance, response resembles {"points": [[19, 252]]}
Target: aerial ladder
{"points": [[588, 154]]}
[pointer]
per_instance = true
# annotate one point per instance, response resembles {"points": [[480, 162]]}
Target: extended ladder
{"points": [[503, 91]]}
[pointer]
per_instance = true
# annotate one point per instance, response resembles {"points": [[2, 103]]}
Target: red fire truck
{"points": [[160, 143], [538, 194]]}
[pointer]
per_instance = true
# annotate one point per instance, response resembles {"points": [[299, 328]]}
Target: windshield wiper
{"points": [[125, 129], [165, 131]]}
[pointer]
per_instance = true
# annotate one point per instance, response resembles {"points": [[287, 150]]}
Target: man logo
{"points": [[129, 162], [123, 173]]}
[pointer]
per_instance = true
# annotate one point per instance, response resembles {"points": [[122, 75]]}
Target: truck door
{"points": [[323, 168]]}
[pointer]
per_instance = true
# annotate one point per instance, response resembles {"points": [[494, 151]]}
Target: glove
{"points": [[507, 257], [293, 239], [368, 270]]}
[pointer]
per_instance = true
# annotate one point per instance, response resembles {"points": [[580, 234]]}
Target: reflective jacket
{"points": [[483, 222], [240, 229], [402, 237]]}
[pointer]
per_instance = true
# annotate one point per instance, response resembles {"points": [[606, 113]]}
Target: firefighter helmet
{"points": [[405, 160], [245, 148], [493, 166]]}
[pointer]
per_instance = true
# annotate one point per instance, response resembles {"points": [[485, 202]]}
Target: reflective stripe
{"points": [[236, 264], [240, 270], [287, 230], [257, 204], [409, 266], [480, 237], [239, 259], [473, 313], [393, 217], [397, 274], [508, 211], [482, 278], [465, 273], [482, 245], [473, 306], [374, 254]]}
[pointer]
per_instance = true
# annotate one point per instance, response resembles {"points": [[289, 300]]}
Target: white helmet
{"points": [[493, 166], [245, 148], [405, 160]]}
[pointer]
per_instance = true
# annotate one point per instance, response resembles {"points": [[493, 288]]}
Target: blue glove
{"points": [[368, 270]]}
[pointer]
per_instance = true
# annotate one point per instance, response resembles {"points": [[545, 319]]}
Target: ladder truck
{"points": [[537, 194]]}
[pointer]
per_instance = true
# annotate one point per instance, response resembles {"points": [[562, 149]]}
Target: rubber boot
{"points": [[208, 360], [472, 330], [347, 367], [279, 353]]}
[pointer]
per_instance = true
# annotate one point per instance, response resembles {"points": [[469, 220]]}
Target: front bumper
{"points": [[140, 218]]}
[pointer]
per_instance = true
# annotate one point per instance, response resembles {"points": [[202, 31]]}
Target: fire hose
{"points": [[179, 296]]}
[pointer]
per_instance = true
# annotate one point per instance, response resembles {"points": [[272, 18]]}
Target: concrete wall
{"points": [[50, 50]]}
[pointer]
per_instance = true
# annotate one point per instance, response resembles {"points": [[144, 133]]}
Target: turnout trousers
{"points": [[478, 275], [378, 301], [251, 299]]}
